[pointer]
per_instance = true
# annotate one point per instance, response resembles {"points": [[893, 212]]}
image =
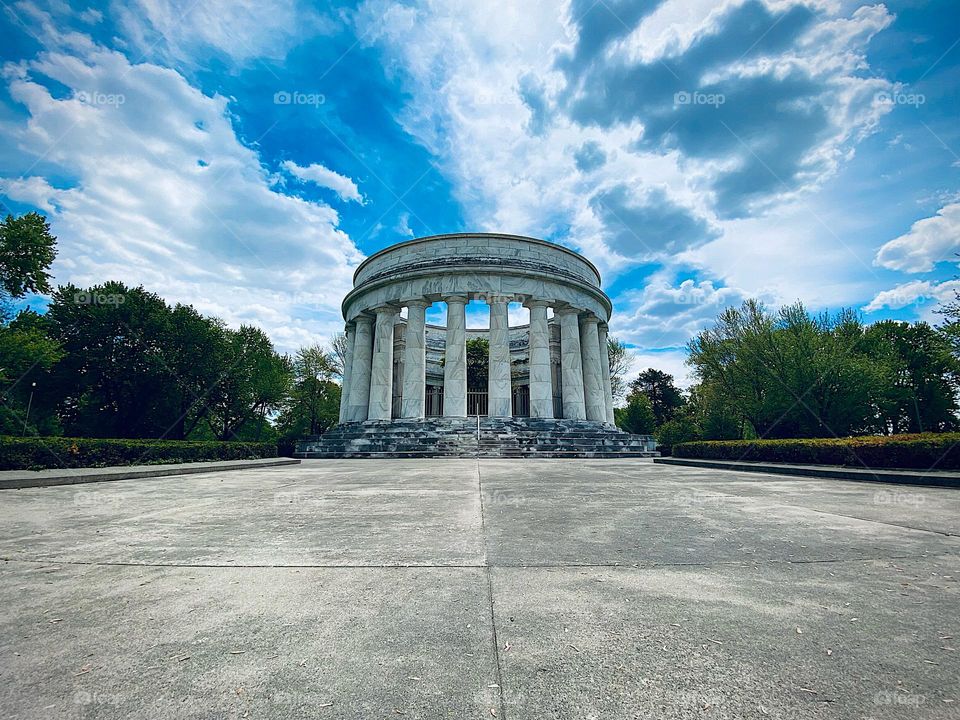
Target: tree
{"points": [[637, 417], [675, 431], [313, 403], [27, 352], [713, 414], [918, 377], [253, 385], [478, 364], [113, 379], [195, 354], [338, 355], [620, 362], [26, 251], [665, 398]]}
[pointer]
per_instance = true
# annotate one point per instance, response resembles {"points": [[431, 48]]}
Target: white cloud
{"points": [[325, 178], [464, 64], [663, 315], [929, 241], [32, 190], [402, 227], [243, 30], [163, 193], [915, 292]]}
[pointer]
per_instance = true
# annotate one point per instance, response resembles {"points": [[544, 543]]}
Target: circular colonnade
{"points": [[386, 362]]}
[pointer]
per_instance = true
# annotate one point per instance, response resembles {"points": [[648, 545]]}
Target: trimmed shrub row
{"points": [[926, 451], [35, 453]]}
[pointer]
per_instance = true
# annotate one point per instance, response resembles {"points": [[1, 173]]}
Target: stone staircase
{"points": [[458, 437]]}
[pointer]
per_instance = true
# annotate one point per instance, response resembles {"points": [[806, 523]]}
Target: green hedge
{"points": [[33, 453], [940, 451]]}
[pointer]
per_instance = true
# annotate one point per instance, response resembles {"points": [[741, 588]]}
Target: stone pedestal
{"points": [[541, 385], [381, 369], [360, 370], [571, 364], [455, 358], [414, 361], [592, 372]]}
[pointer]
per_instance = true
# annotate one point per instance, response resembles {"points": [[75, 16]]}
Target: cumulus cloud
{"points": [[589, 156], [663, 315], [589, 111], [915, 292], [647, 226], [325, 178], [242, 30], [161, 192], [929, 241], [758, 95]]}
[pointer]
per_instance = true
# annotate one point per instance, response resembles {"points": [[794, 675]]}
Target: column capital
{"points": [[589, 318], [456, 299], [416, 302], [364, 319], [386, 310], [537, 303], [566, 310]]}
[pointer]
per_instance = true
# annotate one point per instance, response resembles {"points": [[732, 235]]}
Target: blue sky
{"points": [[245, 156]]}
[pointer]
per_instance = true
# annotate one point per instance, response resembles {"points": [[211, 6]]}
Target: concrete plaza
{"points": [[480, 588]]}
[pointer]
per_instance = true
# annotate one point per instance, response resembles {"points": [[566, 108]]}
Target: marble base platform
{"points": [[458, 437]]}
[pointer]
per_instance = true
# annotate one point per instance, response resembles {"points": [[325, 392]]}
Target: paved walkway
{"points": [[472, 589]]}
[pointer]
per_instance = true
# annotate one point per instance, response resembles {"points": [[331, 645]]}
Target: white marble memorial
{"points": [[533, 371]]}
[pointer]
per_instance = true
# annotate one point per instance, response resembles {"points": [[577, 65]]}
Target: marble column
{"points": [[499, 387], [455, 358], [571, 364], [360, 370], [350, 334], [605, 369], [541, 385], [592, 372], [414, 360], [381, 365]]}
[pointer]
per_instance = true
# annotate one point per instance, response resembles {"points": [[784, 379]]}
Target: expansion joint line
{"points": [[493, 616]]}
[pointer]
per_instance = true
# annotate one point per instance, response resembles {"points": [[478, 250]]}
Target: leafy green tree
{"points": [[620, 362], [27, 352], [713, 414], [637, 417], [665, 397], [195, 353], [478, 364], [675, 431], [313, 403], [26, 251], [113, 379], [338, 352], [917, 391], [252, 385]]}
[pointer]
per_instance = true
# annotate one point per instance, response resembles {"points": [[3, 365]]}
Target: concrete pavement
{"points": [[465, 588]]}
